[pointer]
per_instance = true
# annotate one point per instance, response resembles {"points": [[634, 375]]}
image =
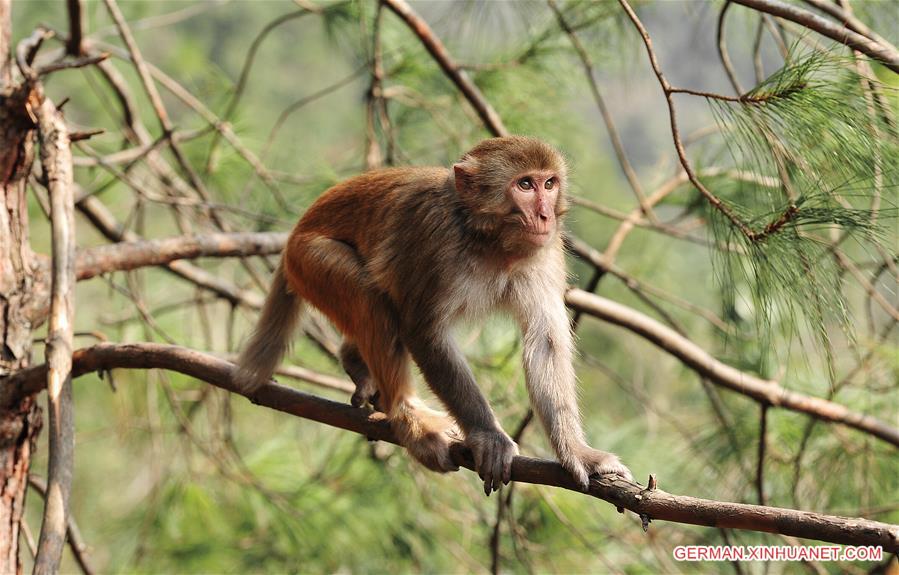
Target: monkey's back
{"points": [[396, 221], [360, 210]]}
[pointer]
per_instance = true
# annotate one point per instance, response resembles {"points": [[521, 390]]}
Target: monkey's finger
{"points": [[478, 462], [581, 476], [490, 470], [507, 467], [499, 471]]}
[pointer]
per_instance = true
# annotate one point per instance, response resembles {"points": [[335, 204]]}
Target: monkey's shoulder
{"points": [[390, 183]]}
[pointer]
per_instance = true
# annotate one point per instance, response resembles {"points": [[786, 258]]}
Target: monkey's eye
{"points": [[550, 183], [526, 184]]}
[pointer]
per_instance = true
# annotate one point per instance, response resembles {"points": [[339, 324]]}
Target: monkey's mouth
{"points": [[537, 237]]}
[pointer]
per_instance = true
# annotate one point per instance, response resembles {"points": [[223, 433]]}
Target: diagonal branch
{"points": [[435, 47], [649, 503], [884, 53], [764, 391]]}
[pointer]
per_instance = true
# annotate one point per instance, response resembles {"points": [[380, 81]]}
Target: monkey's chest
{"points": [[475, 296]]}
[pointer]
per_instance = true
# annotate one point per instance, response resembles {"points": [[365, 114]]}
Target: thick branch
{"points": [[763, 391], [655, 504], [100, 216], [133, 255], [56, 157], [435, 47], [837, 32], [851, 22]]}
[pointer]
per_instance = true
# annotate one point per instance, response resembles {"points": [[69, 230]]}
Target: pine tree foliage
{"points": [[824, 154]]}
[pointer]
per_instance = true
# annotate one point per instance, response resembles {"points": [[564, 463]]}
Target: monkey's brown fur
{"points": [[393, 257]]}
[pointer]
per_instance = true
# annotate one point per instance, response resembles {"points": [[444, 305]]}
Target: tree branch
{"points": [[885, 54], [56, 157], [668, 91], [73, 534], [435, 47], [648, 503], [763, 391], [132, 255], [76, 27]]}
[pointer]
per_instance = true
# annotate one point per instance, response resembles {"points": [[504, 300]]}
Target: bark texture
{"points": [[21, 421]]}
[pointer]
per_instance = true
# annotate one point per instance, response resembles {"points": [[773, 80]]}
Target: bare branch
{"points": [[26, 51], [81, 62], [723, 54], [73, 534], [106, 223], [435, 47], [141, 66], [74, 46], [56, 157], [137, 254], [648, 503], [883, 52], [244, 76], [763, 391]]}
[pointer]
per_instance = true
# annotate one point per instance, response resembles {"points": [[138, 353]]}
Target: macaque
{"points": [[395, 257]]}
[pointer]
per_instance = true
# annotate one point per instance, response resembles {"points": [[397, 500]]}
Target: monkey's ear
{"points": [[464, 176]]}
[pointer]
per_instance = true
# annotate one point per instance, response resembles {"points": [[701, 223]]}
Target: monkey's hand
{"points": [[493, 453], [583, 461]]}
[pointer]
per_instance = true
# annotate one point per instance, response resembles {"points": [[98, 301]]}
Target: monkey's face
{"points": [[534, 196]]}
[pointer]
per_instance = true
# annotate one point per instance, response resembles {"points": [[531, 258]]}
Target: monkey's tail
{"points": [[271, 336]]}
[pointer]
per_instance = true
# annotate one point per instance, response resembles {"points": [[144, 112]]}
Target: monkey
{"points": [[395, 257]]}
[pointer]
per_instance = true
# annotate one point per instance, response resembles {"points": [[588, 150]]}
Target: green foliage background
{"points": [[173, 476]]}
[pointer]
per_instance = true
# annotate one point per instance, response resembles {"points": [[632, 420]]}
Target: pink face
{"points": [[535, 195]]}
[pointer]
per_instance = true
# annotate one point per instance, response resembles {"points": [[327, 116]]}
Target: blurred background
{"points": [[173, 475]]}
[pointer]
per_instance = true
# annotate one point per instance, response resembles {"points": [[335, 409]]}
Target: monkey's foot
{"points": [[586, 461], [432, 449], [427, 435], [365, 393], [355, 367], [493, 452]]}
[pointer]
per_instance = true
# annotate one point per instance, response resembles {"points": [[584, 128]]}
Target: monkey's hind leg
{"points": [[330, 275], [355, 367], [426, 434]]}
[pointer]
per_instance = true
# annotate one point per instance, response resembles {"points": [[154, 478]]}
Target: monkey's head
{"points": [[514, 188]]}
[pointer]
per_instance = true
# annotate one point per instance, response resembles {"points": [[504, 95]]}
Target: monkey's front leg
{"points": [[449, 376], [551, 385]]}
